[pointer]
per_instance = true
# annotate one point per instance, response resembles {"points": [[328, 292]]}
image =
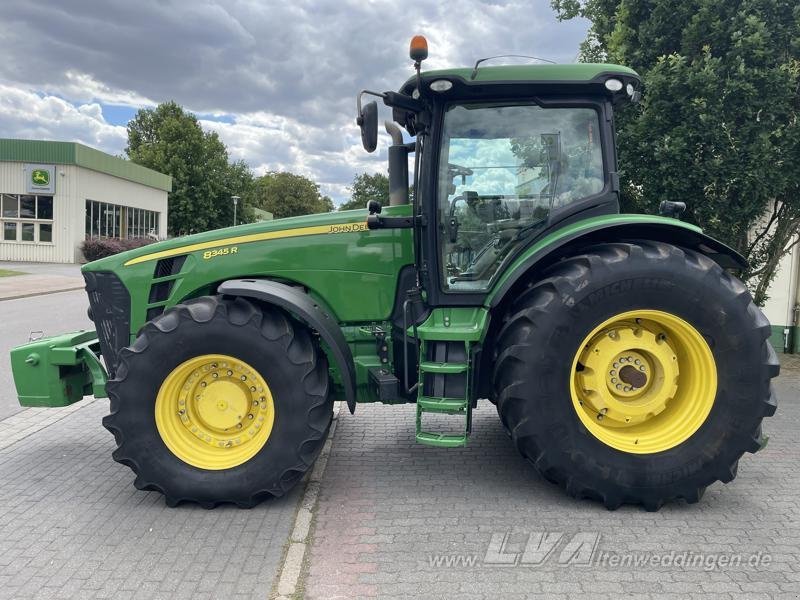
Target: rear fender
{"points": [[617, 228], [305, 309]]}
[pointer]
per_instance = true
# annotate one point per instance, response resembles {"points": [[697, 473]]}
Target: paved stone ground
{"points": [[394, 520], [389, 510], [73, 526]]}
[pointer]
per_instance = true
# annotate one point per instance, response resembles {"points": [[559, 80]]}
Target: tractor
{"points": [[626, 360]]}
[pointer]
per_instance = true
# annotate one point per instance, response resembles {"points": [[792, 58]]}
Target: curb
{"points": [[42, 293], [291, 567]]}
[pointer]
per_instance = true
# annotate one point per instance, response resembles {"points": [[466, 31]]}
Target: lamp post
{"points": [[235, 202]]}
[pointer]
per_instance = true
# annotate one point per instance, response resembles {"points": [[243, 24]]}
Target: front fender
{"points": [[611, 228], [304, 308]]}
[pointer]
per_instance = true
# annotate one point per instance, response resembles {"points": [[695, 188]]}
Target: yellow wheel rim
{"points": [[643, 381], [214, 411]]}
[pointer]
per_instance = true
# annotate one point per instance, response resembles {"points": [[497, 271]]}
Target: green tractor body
{"points": [[505, 279]]}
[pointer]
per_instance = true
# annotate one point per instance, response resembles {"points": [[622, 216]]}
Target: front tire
{"points": [[697, 369], [220, 400]]}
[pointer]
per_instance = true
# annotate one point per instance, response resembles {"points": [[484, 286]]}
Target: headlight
{"points": [[441, 85]]}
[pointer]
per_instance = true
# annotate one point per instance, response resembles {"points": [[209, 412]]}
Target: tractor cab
{"points": [[504, 154]]}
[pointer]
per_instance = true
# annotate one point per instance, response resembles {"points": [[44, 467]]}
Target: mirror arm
{"points": [[397, 100], [369, 93]]}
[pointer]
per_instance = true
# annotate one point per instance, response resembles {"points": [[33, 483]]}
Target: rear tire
{"points": [[275, 351], [535, 375]]}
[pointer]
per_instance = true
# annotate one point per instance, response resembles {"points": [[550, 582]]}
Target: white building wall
{"points": [[783, 291], [12, 181], [94, 185], [74, 185]]}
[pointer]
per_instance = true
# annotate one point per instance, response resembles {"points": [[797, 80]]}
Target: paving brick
{"points": [[388, 509], [73, 526], [390, 515]]}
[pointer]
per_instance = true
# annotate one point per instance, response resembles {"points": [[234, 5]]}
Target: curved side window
{"points": [[502, 170]]}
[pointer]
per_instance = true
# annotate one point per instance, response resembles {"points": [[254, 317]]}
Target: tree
{"points": [[170, 140], [718, 126], [288, 195], [238, 181], [367, 187]]}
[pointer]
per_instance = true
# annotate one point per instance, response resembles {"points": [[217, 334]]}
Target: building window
{"points": [[114, 221], [26, 218]]}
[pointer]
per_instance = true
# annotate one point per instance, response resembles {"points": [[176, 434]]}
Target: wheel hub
{"points": [[629, 375], [214, 411]]}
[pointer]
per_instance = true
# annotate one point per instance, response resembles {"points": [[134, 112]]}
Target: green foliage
{"points": [[238, 181], [170, 140], [288, 195], [718, 127], [367, 187]]}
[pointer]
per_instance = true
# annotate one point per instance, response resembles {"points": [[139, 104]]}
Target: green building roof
{"points": [[73, 153]]}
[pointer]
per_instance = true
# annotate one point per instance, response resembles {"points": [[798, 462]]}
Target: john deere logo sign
{"points": [[40, 179]]}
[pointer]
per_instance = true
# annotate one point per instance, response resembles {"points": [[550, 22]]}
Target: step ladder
{"points": [[444, 370]]}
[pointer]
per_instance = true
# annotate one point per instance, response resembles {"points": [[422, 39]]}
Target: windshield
{"points": [[502, 170]]}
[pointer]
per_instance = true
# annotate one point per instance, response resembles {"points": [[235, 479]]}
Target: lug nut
{"points": [[244, 377], [215, 375], [637, 362], [229, 372]]}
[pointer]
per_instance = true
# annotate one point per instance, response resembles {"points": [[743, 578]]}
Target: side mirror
{"points": [[368, 122]]}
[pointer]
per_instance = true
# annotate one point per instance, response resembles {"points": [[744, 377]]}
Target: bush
{"points": [[96, 248]]}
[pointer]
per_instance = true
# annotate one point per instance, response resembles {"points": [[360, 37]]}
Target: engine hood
{"points": [[209, 241]]}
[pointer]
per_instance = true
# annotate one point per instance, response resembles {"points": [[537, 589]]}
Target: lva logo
{"points": [[508, 550]]}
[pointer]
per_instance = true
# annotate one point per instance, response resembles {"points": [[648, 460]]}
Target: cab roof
{"points": [[547, 75]]}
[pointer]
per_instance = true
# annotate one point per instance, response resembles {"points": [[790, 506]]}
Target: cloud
{"points": [[281, 77], [25, 114]]}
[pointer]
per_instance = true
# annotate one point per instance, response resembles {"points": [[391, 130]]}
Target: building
{"points": [[782, 307], [54, 195]]}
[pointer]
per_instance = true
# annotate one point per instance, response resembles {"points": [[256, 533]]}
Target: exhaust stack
{"points": [[398, 166]]}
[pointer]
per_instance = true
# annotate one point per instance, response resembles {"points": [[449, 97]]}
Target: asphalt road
{"points": [[51, 314]]}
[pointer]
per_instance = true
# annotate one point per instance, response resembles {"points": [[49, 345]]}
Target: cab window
{"points": [[502, 170]]}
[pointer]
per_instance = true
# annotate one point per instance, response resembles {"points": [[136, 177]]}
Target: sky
{"points": [[276, 80]]}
